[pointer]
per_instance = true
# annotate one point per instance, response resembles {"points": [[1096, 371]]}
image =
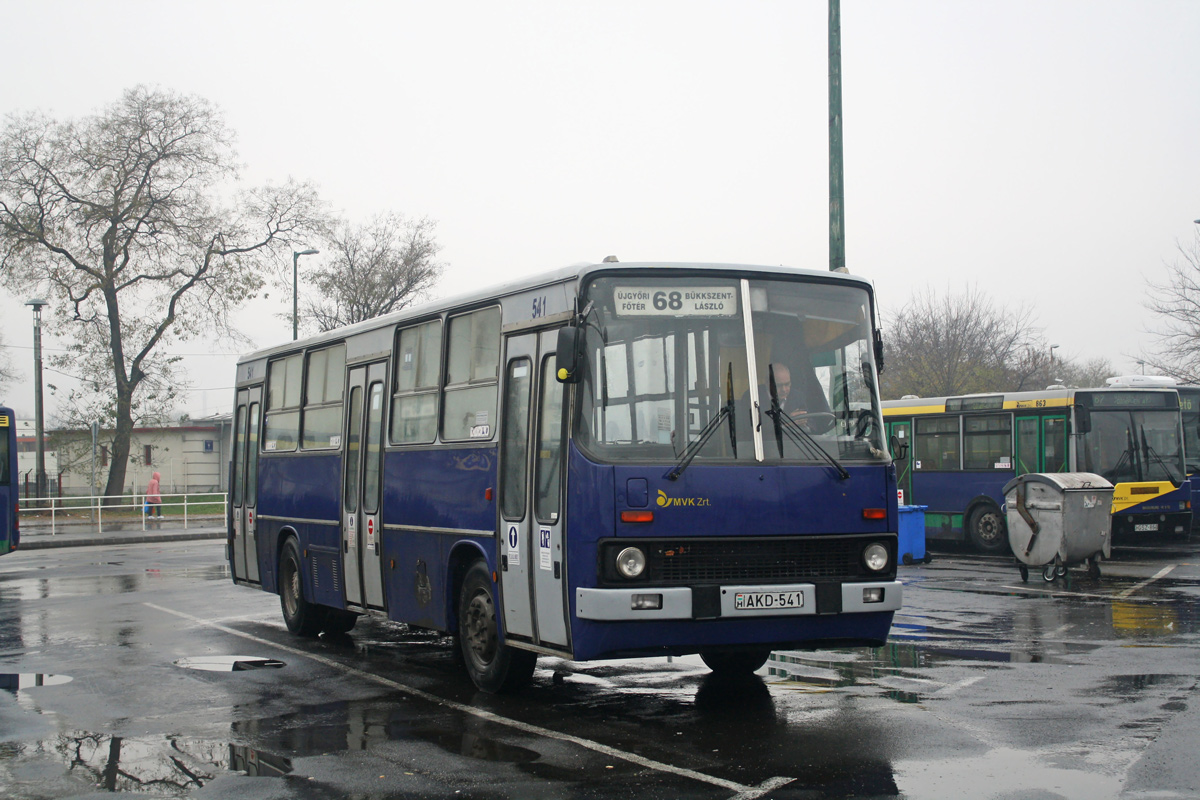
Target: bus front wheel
{"points": [[986, 529], [301, 617], [494, 667], [736, 662]]}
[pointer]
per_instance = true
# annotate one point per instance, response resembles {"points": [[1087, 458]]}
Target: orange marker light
{"points": [[637, 516], [874, 513], [487, 494]]}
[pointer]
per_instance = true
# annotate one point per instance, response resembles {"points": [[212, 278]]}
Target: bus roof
{"points": [[997, 401], [577, 274]]}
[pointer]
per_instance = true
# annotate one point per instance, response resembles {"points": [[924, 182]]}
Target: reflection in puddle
{"points": [[174, 766], [475, 746], [15, 682], [229, 663], [821, 671], [357, 726]]}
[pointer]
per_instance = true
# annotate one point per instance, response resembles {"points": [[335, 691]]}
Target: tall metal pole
{"points": [[40, 477], [837, 218]]}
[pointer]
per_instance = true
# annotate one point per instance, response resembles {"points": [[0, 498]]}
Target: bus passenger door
{"points": [[548, 552], [245, 484], [1054, 444], [532, 567], [362, 488], [515, 588], [1029, 448], [903, 432]]}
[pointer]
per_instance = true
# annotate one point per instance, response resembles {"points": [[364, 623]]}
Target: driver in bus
{"points": [[809, 399]]}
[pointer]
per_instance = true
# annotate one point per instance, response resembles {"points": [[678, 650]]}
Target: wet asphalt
{"points": [[139, 667]]}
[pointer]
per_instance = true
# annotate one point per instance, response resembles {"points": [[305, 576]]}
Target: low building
{"points": [[192, 456]]}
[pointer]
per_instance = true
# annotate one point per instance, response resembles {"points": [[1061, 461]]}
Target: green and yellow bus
{"points": [[962, 450]]}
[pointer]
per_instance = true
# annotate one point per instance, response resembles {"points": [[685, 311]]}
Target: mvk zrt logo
{"points": [[667, 502]]}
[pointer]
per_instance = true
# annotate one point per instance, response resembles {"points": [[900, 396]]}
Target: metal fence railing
{"points": [[121, 510]]}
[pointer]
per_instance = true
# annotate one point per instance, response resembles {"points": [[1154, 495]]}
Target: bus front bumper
{"points": [[736, 602]]}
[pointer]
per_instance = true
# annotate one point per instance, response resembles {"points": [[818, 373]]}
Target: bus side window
{"points": [[323, 398], [282, 426], [936, 443], [418, 372], [472, 369]]}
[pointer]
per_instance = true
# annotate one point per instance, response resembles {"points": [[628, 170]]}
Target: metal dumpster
{"points": [[1057, 520]]}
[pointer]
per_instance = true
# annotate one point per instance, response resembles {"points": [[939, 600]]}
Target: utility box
{"points": [[1059, 519], [911, 526]]}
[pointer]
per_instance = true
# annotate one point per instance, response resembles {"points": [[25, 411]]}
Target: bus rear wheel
{"points": [[987, 531], [494, 667], [736, 662], [301, 617]]}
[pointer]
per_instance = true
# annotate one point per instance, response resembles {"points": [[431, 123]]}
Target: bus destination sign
{"points": [[682, 301]]}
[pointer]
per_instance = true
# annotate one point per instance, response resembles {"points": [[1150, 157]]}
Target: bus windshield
{"points": [[666, 355], [1133, 445]]}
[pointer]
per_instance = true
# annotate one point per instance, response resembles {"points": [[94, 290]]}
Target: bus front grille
{"points": [[680, 562]]}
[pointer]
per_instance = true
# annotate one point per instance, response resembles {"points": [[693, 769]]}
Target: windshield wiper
{"points": [[694, 447], [1150, 453], [795, 431]]}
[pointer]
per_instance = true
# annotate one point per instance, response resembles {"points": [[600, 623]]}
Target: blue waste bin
{"points": [[912, 535]]}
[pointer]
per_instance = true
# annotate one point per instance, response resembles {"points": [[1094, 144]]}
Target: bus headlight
{"points": [[875, 556], [631, 562]]}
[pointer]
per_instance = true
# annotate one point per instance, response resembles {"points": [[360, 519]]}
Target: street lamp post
{"points": [[1053, 347], [295, 283], [40, 478]]}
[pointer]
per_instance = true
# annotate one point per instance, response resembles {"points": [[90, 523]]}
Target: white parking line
{"points": [[742, 791], [954, 687], [1162, 572]]}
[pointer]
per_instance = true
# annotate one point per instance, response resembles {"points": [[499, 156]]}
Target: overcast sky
{"points": [[1046, 151]]}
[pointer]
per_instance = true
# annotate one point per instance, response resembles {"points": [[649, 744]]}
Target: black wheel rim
{"points": [[988, 528]]}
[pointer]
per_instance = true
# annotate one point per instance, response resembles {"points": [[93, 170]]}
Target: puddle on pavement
{"points": [[363, 725], [473, 745], [19, 681], [173, 766], [229, 663], [888, 667]]}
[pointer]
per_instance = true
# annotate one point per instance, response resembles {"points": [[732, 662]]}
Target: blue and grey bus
{"points": [[605, 461], [964, 449], [10, 530]]}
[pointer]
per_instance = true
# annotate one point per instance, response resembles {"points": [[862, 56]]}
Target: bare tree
{"points": [[127, 221], [8, 373], [382, 266], [958, 344], [1177, 304]]}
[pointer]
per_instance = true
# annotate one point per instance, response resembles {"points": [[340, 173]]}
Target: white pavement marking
{"points": [[1162, 572], [743, 792], [1062, 593]]}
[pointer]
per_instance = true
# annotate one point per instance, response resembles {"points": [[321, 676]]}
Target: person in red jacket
{"points": [[154, 498]]}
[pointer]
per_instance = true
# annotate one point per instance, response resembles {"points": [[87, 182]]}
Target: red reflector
{"points": [[637, 516], [874, 513], [487, 494]]}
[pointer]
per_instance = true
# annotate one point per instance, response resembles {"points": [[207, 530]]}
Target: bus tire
{"points": [[301, 617], [337, 622], [735, 662], [986, 528], [493, 667]]}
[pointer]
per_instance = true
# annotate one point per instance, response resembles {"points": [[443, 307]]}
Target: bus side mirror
{"points": [[569, 354], [899, 448], [1083, 419]]}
